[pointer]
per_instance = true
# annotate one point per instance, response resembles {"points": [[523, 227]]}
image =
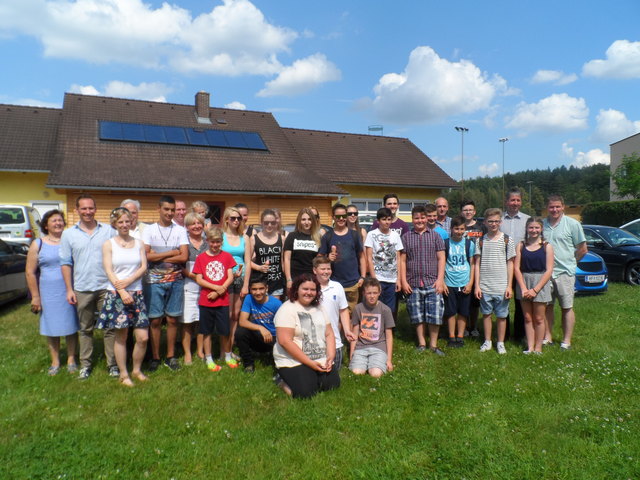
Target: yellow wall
{"points": [[289, 206], [376, 193], [22, 188]]}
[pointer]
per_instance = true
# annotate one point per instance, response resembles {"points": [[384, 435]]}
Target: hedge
{"points": [[611, 213]]}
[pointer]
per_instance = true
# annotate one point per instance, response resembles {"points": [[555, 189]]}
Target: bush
{"points": [[611, 213]]}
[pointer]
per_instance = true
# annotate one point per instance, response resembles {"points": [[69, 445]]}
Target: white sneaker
{"points": [[486, 346], [500, 348]]}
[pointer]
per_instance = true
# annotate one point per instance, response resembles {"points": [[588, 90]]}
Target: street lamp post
{"points": [[462, 131], [503, 140]]}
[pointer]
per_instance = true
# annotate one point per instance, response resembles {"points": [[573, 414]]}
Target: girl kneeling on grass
{"points": [[214, 274], [532, 269], [125, 261], [305, 346]]}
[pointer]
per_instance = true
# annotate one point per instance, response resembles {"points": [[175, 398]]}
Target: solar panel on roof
{"points": [[133, 132], [176, 135], [110, 131], [136, 132], [155, 134], [235, 139]]}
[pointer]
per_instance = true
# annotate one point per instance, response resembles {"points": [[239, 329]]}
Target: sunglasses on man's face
{"points": [[235, 219]]}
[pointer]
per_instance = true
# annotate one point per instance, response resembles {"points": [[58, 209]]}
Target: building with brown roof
{"points": [[117, 148]]}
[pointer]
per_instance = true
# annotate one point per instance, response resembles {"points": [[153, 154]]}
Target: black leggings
{"points": [[306, 382]]}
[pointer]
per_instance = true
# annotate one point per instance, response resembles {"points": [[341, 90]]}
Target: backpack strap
{"points": [[506, 244], [39, 240], [446, 249]]}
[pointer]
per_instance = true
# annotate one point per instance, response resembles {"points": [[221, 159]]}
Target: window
{"points": [[136, 132], [371, 206]]}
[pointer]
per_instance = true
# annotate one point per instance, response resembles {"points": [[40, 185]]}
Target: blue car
{"points": [[591, 274]]}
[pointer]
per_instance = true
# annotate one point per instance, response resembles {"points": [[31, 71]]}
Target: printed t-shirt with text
{"points": [[384, 248], [372, 322], [458, 268], [214, 269], [309, 327]]}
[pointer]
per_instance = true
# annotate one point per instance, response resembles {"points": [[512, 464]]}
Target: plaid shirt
{"points": [[422, 261]]}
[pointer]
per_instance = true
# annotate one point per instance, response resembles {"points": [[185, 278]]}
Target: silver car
{"points": [[19, 223]]}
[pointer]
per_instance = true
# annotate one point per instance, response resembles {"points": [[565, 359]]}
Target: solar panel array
{"points": [[137, 132]]}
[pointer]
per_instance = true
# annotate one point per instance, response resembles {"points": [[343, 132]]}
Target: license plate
{"points": [[594, 278]]}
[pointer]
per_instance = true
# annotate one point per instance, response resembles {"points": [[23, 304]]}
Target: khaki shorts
{"points": [[563, 288]]}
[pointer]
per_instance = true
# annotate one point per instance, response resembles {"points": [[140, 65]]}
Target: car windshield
{"points": [[11, 216], [618, 237]]}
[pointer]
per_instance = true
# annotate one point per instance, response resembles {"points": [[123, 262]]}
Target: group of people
{"points": [[296, 296]]}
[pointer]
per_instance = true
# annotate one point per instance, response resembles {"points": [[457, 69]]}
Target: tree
{"points": [[627, 176]]}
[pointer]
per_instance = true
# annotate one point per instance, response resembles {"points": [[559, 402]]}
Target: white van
{"points": [[19, 223]]}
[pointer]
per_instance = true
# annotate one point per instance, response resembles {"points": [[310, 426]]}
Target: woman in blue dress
{"points": [[58, 318]]}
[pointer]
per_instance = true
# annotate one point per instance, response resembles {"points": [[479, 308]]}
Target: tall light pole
{"points": [[462, 131], [529, 183], [503, 140]]}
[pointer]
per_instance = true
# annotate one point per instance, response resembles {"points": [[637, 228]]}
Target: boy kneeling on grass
{"points": [[372, 324], [458, 280], [214, 274], [256, 332], [494, 277]]}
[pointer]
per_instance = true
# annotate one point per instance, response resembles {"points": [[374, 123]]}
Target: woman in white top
{"points": [[125, 261]]}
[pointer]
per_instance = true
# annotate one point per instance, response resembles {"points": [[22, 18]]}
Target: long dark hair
{"points": [[299, 280]]}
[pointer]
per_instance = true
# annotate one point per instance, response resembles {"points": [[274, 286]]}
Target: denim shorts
{"points": [[424, 305], [367, 358], [164, 299], [494, 304]]}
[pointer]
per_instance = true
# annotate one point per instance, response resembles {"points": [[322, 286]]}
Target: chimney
{"points": [[202, 107]]}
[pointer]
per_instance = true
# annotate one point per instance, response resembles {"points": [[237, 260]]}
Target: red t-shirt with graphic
{"points": [[214, 269]]}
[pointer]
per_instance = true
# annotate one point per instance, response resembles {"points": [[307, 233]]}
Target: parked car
{"points": [[633, 227], [619, 249], [19, 223], [591, 274], [13, 283]]}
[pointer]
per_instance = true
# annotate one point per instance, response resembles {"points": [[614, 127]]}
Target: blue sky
{"points": [[559, 79]]}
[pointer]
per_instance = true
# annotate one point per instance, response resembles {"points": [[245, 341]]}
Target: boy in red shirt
{"points": [[214, 274]]}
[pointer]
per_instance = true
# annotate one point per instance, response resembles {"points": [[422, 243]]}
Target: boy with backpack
{"points": [[494, 277], [458, 279]]}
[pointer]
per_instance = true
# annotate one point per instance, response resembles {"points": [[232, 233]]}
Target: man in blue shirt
{"points": [[256, 331], [86, 280]]}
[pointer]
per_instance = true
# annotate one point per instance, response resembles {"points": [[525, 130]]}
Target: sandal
{"points": [[126, 381], [72, 368], [53, 370], [141, 377]]}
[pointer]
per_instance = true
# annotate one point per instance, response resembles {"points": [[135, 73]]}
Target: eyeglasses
{"points": [[352, 214], [340, 217], [269, 223], [235, 219]]}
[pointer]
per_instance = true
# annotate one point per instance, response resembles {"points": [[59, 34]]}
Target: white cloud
{"points": [[613, 125], [623, 61], [585, 159], [34, 102], [488, 169], [235, 105], [302, 76], [233, 38], [432, 88], [556, 113], [154, 91], [555, 77], [592, 157]]}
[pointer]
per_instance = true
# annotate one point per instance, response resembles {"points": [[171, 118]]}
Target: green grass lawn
{"points": [[562, 415]]}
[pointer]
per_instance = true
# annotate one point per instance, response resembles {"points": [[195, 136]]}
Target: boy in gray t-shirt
{"points": [[372, 323]]}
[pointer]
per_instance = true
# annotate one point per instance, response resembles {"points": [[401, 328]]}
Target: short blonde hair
{"points": [[193, 217], [117, 213], [213, 233]]}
